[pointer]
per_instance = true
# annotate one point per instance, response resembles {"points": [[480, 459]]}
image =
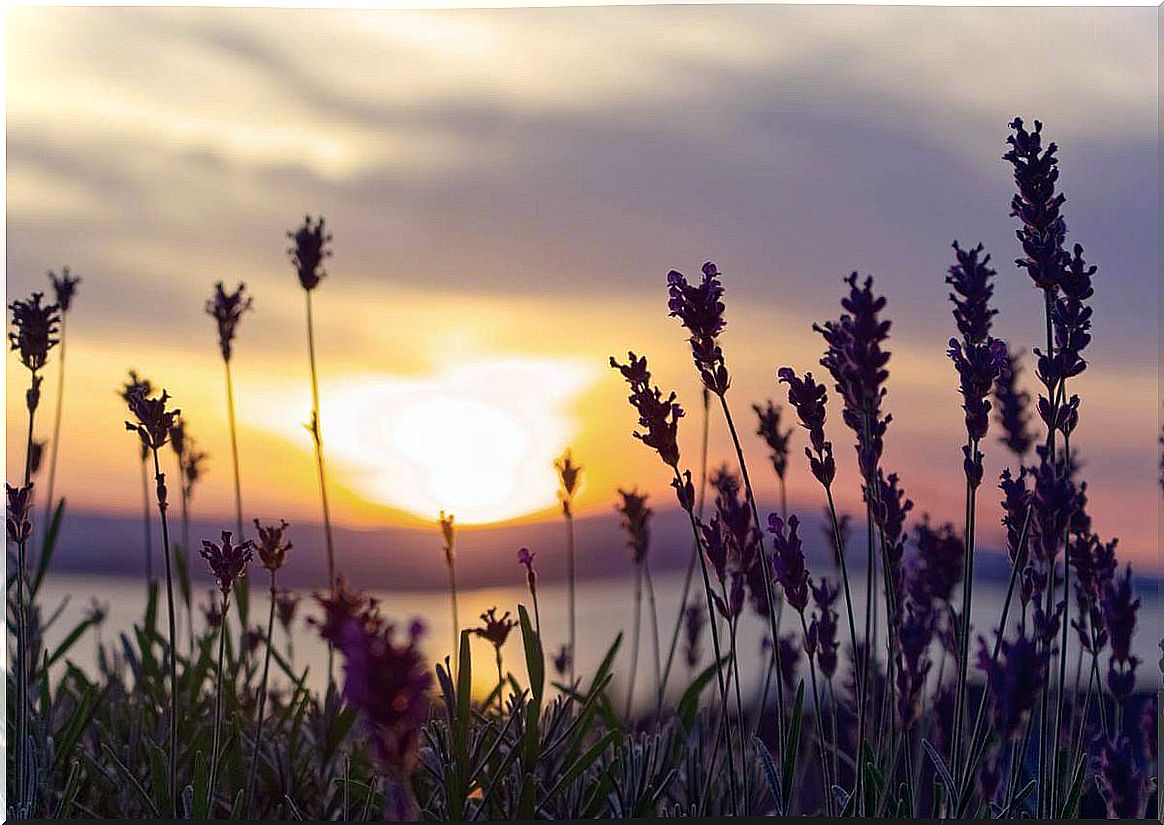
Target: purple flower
{"points": [[788, 567], [525, 557], [64, 288], [342, 606], [561, 660], [286, 603], [35, 330], [768, 428], [913, 665], [823, 629], [700, 308], [1122, 784], [154, 421], [715, 545], [1037, 205], [1014, 682], [311, 247], [1012, 407], [495, 630], [387, 680], [1016, 497], [736, 518], [889, 509], [636, 522], [18, 522], [941, 554], [658, 415], [734, 604], [227, 560], [1119, 618], [790, 653], [694, 620], [272, 546], [449, 536], [970, 278], [979, 365], [226, 308], [808, 398], [855, 359], [1054, 502]]}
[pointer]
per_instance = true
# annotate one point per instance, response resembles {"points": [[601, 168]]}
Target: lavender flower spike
{"points": [[227, 560], [227, 308], [658, 415], [808, 399], [701, 309], [311, 247], [788, 566]]}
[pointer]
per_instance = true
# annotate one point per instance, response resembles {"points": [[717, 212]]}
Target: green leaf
{"points": [[769, 766], [689, 703], [535, 661], [66, 643], [48, 548], [581, 764], [201, 808], [943, 773], [792, 745]]}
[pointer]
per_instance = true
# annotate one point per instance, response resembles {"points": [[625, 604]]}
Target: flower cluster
{"points": [[272, 544], [768, 428], [808, 399], [1014, 682], [788, 567], [636, 521], [1037, 205], [447, 524], [19, 509], [227, 559], [286, 603], [1119, 618], [700, 308], [36, 330], [493, 629], [1013, 403], [154, 421], [694, 621], [227, 308], [658, 414], [822, 643], [525, 557], [1123, 785], [64, 288], [889, 508], [310, 248], [569, 479], [857, 362], [970, 278]]}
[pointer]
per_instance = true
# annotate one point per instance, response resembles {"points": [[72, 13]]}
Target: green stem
{"points": [[634, 651], [160, 478], [217, 709], [56, 438], [571, 579], [262, 701]]}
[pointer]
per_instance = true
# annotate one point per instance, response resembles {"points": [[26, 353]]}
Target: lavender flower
{"points": [[789, 659], [64, 288], [939, 560], [970, 278], [913, 666], [694, 621], [569, 479], [1037, 205], [1013, 402], [808, 399], [561, 660], [889, 508], [788, 567], [286, 604], [1016, 498], [1119, 617], [731, 608], [636, 521], [768, 428], [658, 416], [857, 362], [701, 309], [823, 629], [272, 545], [341, 606], [1014, 682], [19, 510], [311, 247], [154, 421], [35, 332], [495, 630], [227, 308], [1122, 784], [227, 560], [449, 536]]}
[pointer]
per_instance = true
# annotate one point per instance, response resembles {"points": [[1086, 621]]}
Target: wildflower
{"points": [[18, 521], [913, 666], [387, 680], [684, 491], [731, 608], [768, 428], [1122, 784], [64, 288], [939, 560], [251, 639], [715, 546], [1119, 617], [272, 545], [226, 309], [1016, 497], [342, 606], [570, 477], [1037, 205], [311, 247], [636, 521], [1053, 503], [694, 621], [789, 659], [1012, 407], [525, 558], [700, 310], [154, 421], [970, 278], [227, 560], [824, 627], [493, 629], [193, 467], [844, 528], [658, 415], [889, 508], [1014, 681], [1094, 564], [788, 566], [808, 398], [561, 660], [978, 366], [857, 362], [36, 326], [136, 385], [286, 603]]}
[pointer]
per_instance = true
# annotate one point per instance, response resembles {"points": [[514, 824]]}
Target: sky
{"points": [[507, 190]]}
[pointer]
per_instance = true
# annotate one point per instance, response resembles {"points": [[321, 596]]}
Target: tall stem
{"points": [[654, 617], [217, 708], [634, 651], [146, 520], [571, 579], [960, 698], [56, 437], [826, 783], [238, 509], [186, 547], [262, 701], [22, 627], [723, 699], [317, 437], [690, 561], [765, 567], [160, 479], [455, 659]]}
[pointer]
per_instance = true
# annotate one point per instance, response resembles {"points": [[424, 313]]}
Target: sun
{"points": [[475, 439]]}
